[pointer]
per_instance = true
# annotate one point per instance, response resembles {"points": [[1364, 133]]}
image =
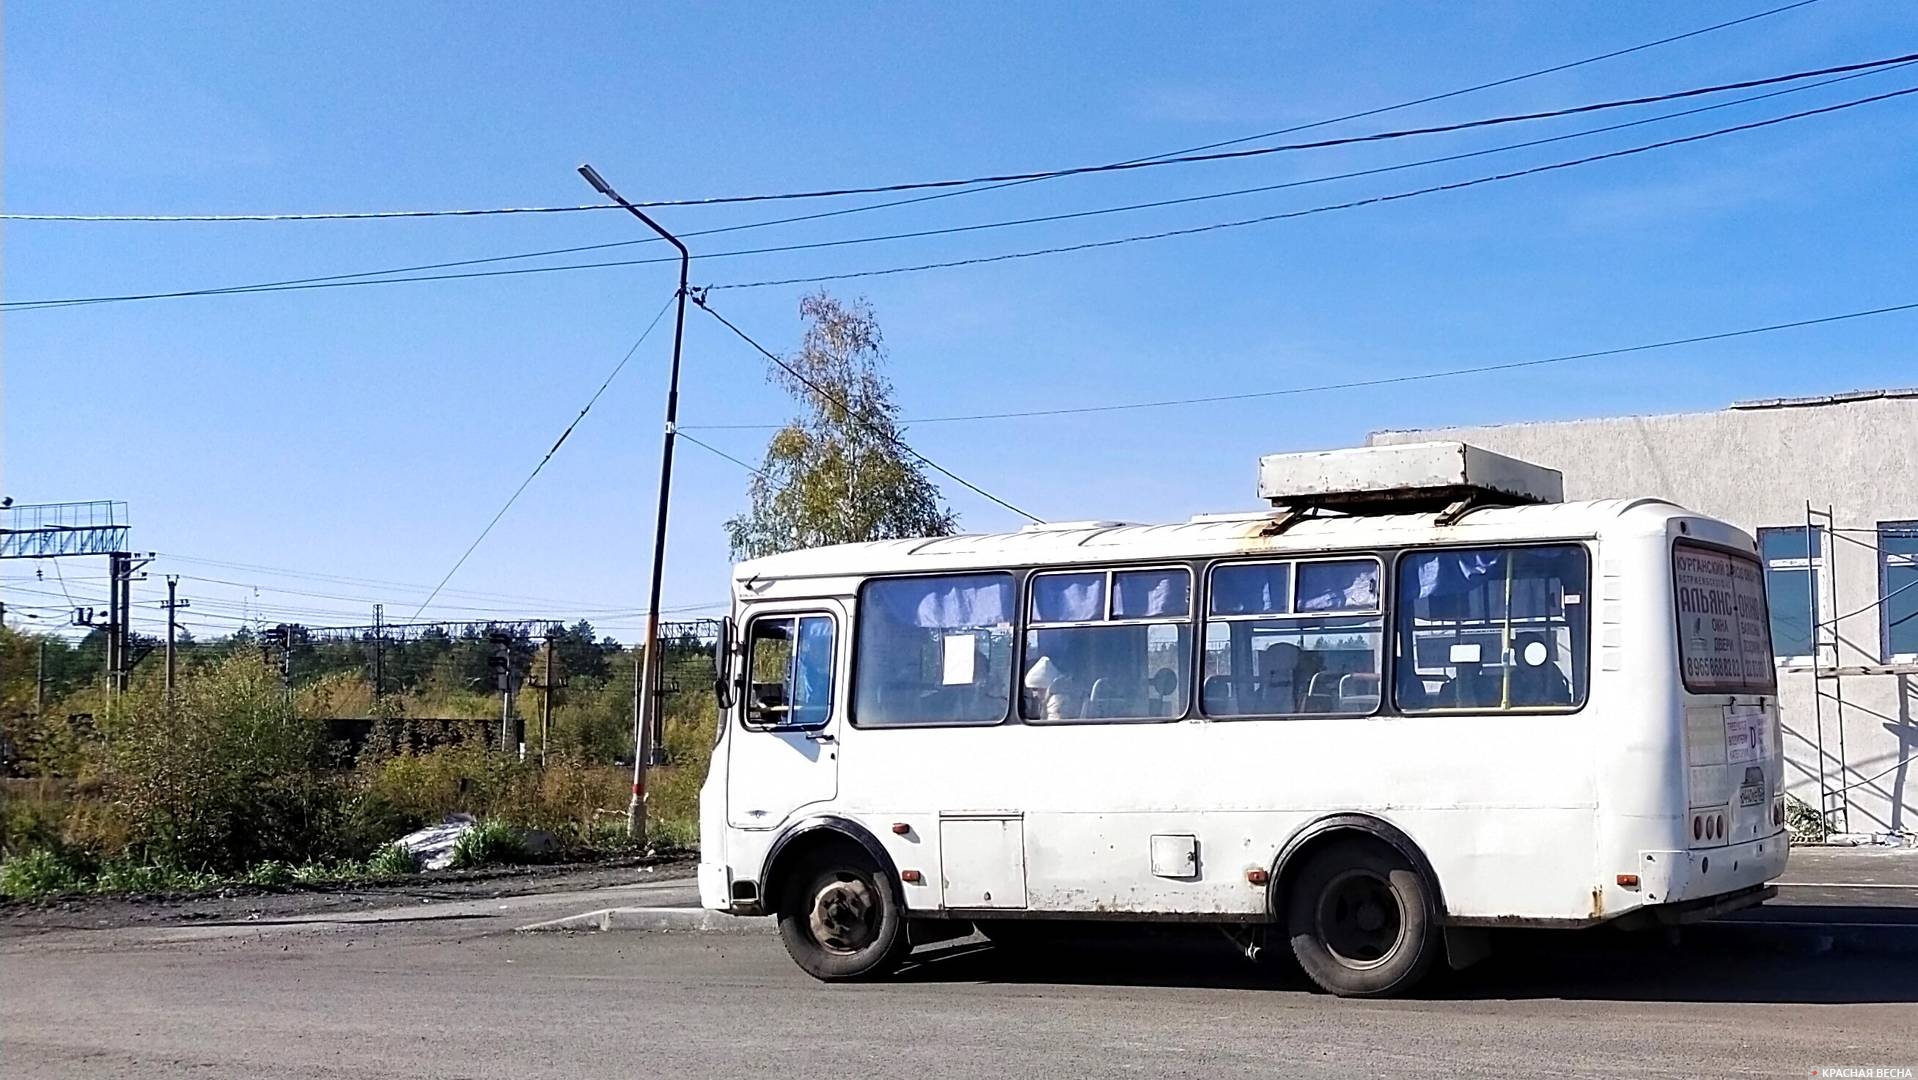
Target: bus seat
{"points": [[1115, 697], [1321, 694], [1471, 688], [1359, 692], [1218, 695]]}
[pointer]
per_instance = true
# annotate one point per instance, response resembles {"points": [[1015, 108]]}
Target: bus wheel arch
{"points": [[836, 896], [1360, 904]]}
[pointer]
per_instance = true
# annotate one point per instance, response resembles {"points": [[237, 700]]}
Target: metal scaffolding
{"points": [[1834, 800]]}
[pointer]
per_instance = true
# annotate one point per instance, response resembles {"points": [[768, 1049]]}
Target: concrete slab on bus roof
{"points": [[658, 920], [1374, 476]]}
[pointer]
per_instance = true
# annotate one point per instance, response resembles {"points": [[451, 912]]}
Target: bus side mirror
{"points": [[723, 665]]}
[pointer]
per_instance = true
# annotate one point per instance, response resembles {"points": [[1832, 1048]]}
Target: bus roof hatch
{"points": [[1410, 477]]}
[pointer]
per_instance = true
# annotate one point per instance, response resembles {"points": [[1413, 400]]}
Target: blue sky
{"points": [[369, 433]]}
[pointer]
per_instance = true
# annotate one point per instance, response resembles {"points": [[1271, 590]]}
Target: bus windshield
{"points": [[1724, 630]]}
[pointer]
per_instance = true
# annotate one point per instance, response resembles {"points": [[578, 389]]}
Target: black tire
{"points": [[840, 920], [1362, 920]]}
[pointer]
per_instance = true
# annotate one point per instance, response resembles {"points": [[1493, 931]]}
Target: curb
{"points": [[657, 920]]}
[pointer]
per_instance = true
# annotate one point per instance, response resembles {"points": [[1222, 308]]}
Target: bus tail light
{"points": [[1698, 827]]}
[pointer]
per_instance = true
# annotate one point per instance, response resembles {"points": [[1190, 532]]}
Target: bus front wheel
{"points": [[1360, 917], [839, 920]]}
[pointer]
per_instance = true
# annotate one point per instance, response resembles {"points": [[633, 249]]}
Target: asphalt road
{"points": [[448, 990]]}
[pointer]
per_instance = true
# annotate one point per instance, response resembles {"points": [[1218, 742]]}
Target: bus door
{"points": [[784, 755]]}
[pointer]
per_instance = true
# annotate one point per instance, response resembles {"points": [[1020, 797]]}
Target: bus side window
{"points": [[789, 671], [1492, 629]]}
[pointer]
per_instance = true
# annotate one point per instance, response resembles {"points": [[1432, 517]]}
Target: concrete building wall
{"points": [[1757, 465]]}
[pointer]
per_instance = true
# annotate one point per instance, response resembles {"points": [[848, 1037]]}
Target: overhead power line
{"points": [[351, 278], [1389, 380], [1282, 148], [1457, 185], [717, 452], [994, 182], [339, 281], [381, 583], [1310, 125], [343, 215], [884, 431], [557, 443], [1493, 84]]}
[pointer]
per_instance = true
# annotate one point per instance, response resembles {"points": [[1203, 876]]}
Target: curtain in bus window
{"points": [[943, 602], [1068, 597], [1347, 585], [812, 671], [1455, 572], [1147, 594], [933, 650], [1252, 589]]}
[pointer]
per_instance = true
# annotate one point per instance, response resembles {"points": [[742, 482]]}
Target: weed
{"points": [[1805, 824], [672, 836], [271, 874], [38, 874], [393, 861], [490, 843], [321, 873]]}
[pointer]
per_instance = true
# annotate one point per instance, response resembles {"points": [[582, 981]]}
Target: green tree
{"points": [[837, 473]]}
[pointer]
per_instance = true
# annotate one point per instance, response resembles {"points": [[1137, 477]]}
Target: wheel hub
{"points": [[1359, 919], [844, 917]]}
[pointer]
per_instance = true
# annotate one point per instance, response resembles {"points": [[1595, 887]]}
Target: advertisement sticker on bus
{"points": [[1723, 641]]}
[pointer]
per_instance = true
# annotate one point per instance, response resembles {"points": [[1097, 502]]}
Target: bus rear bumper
{"points": [[1679, 877], [1684, 912]]}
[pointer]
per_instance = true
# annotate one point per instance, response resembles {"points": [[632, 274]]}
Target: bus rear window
{"points": [[1724, 635]]}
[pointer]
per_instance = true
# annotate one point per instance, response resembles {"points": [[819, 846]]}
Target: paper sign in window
{"points": [[958, 660]]}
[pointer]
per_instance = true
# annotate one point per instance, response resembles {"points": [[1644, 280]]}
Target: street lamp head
{"points": [[592, 177]]}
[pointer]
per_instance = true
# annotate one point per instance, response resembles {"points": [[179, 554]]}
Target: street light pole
{"points": [[648, 741]]}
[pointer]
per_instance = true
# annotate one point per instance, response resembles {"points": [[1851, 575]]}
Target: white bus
{"points": [[1375, 734]]}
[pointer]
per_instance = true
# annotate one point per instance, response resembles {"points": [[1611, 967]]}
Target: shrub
{"points": [[490, 843], [228, 777], [38, 874], [31, 814], [393, 860]]}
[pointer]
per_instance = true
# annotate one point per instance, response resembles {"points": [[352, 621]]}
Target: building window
{"points": [[1794, 557], [1108, 645], [1898, 588]]}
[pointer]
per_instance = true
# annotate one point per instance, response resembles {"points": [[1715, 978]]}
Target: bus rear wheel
{"points": [[840, 920], [1360, 917]]}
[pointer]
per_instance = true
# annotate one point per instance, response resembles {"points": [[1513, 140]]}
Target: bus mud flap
{"points": [[1465, 946]]}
